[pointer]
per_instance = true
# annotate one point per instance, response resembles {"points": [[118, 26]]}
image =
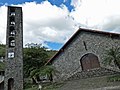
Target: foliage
{"points": [[35, 57], [112, 55], [2, 66], [2, 50], [50, 86], [114, 78]]}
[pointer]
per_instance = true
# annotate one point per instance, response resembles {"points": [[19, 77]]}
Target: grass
{"points": [[89, 83], [48, 86], [114, 78]]}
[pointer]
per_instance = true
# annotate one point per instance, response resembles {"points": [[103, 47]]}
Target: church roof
{"points": [[83, 30]]}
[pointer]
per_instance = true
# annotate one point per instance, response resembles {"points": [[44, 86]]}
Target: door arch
{"points": [[89, 61], [10, 84]]}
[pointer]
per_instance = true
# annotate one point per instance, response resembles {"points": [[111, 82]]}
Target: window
{"points": [[11, 42], [84, 43], [11, 55], [12, 20], [12, 13], [12, 31], [12, 23]]}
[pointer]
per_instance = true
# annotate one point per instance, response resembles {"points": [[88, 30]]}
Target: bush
{"points": [[114, 78]]}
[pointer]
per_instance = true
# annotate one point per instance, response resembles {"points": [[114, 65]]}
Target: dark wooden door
{"points": [[10, 84], [89, 61]]}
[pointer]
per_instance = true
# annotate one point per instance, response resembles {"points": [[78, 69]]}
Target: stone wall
{"points": [[68, 61], [97, 72], [14, 52]]}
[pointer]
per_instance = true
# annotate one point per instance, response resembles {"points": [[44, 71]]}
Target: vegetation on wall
{"points": [[112, 56]]}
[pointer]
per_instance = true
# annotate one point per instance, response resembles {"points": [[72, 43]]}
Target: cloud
{"points": [[3, 20], [76, 3], [46, 22], [112, 23], [96, 13], [43, 22]]}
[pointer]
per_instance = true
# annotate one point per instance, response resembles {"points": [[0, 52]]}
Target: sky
{"points": [[52, 22]]}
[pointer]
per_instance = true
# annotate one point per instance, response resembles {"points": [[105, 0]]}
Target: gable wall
{"points": [[68, 62]]}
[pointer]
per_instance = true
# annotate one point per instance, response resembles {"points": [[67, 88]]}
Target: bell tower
{"points": [[14, 50]]}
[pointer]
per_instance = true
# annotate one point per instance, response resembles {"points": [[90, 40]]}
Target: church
{"points": [[83, 54]]}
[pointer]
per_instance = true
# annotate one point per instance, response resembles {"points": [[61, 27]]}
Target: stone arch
{"points": [[11, 84], [89, 61]]}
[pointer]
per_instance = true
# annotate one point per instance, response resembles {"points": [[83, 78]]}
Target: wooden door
{"points": [[89, 61], [10, 84]]}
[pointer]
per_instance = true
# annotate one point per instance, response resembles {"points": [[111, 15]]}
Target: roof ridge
{"points": [[77, 32]]}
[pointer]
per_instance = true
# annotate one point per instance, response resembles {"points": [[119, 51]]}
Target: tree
{"points": [[2, 50], [35, 57], [112, 55]]}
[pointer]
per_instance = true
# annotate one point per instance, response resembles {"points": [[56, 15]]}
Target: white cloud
{"points": [[46, 22], [3, 20], [76, 3], [95, 13]]}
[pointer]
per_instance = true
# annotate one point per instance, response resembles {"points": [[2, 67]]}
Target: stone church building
{"points": [[83, 54]]}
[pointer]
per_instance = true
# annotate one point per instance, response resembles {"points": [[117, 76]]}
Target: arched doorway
{"points": [[89, 61], [10, 84]]}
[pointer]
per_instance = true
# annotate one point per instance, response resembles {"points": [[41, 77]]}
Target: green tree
{"points": [[2, 66], [35, 57], [2, 50], [112, 55]]}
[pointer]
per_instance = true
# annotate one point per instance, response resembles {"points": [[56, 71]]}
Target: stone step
{"points": [[93, 73], [95, 83]]}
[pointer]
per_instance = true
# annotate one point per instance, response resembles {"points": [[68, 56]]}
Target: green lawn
{"points": [[49, 86]]}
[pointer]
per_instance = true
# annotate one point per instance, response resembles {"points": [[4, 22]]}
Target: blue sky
{"points": [[53, 2], [52, 22]]}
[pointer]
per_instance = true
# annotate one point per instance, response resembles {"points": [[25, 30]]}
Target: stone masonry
{"points": [[67, 60], [14, 53]]}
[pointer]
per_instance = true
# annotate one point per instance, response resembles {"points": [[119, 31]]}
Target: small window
{"points": [[12, 13], [12, 23], [11, 55], [11, 42], [12, 33], [12, 20], [84, 43]]}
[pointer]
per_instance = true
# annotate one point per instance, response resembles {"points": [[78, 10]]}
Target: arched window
{"points": [[11, 42], [10, 84], [12, 31], [12, 20], [89, 61]]}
